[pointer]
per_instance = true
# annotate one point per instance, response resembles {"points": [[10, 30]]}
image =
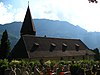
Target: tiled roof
{"points": [[19, 50], [45, 42], [30, 46]]}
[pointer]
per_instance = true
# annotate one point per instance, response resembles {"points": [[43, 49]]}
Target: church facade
{"points": [[33, 47]]}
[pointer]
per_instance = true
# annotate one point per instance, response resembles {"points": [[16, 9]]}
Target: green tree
{"points": [[5, 45], [96, 51]]}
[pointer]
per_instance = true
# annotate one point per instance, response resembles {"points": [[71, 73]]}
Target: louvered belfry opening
{"points": [[64, 47], [52, 47]]}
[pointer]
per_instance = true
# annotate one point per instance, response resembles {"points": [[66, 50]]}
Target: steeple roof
{"points": [[28, 25]]}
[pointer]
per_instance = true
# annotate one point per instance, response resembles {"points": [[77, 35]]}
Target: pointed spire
{"points": [[28, 25]]}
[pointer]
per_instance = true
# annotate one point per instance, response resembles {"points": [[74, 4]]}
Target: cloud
{"points": [[77, 12], [10, 14], [5, 14], [19, 14]]}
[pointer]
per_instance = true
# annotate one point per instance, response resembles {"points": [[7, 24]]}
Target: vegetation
{"points": [[5, 45], [97, 55], [74, 68]]}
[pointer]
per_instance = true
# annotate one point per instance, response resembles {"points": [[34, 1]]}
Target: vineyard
{"points": [[54, 67]]}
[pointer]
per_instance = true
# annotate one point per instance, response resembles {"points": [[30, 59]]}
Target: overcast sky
{"points": [[77, 12]]}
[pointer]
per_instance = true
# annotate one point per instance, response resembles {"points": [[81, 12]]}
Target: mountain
{"points": [[50, 28]]}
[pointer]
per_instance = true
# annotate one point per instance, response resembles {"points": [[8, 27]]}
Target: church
{"points": [[30, 46]]}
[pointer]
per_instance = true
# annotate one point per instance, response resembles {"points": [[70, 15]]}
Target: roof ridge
{"points": [[51, 37]]}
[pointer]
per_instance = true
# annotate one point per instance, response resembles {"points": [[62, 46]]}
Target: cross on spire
{"points": [[28, 3]]}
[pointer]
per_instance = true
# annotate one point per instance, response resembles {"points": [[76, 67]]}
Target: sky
{"points": [[77, 12]]}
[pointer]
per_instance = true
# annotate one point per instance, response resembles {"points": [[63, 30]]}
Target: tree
{"points": [[96, 51], [5, 45]]}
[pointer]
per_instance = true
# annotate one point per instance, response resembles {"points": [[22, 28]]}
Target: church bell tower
{"points": [[28, 27]]}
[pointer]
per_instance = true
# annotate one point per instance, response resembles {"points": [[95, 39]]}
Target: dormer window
{"points": [[64, 47], [52, 47], [35, 46], [77, 47]]}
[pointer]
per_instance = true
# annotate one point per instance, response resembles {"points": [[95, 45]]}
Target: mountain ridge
{"points": [[54, 28]]}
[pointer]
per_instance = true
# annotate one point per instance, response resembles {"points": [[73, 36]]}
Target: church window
{"points": [[35, 46], [64, 47], [77, 47], [52, 47]]}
